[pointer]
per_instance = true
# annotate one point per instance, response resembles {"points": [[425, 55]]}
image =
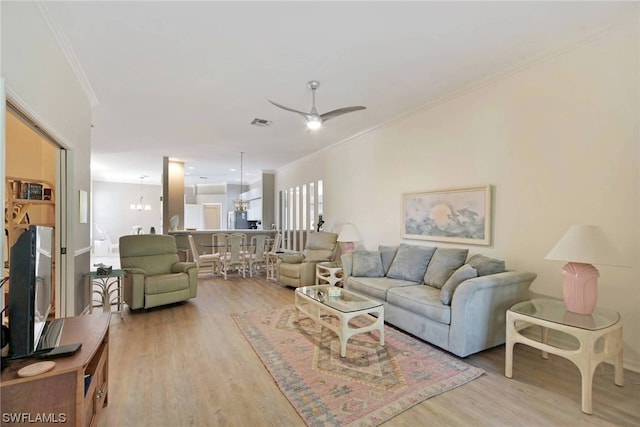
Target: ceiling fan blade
{"points": [[340, 111], [305, 115]]}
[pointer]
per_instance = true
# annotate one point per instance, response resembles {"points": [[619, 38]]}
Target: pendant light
{"points": [[140, 205], [239, 204]]}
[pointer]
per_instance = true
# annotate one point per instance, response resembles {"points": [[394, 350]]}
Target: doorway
{"points": [[212, 219], [33, 158]]}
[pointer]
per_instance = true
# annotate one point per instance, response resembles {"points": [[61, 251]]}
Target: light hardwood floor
{"points": [[189, 365]]}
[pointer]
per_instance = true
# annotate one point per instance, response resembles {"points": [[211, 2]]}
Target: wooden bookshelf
{"points": [[19, 204], [20, 201]]}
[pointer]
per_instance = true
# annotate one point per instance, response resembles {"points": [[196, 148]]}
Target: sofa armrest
{"points": [[291, 259], [133, 287], [182, 267], [478, 310]]}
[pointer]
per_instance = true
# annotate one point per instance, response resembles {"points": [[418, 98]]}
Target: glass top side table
{"points": [[555, 311], [108, 289], [599, 336]]}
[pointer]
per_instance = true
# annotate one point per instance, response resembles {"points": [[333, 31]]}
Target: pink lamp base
{"points": [[348, 247], [580, 287]]}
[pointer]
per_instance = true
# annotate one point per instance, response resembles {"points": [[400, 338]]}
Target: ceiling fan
{"points": [[315, 120]]}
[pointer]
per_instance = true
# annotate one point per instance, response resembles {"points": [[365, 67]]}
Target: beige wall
{"points": [[557, 139]]}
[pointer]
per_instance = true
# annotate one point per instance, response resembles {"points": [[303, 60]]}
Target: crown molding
{"points": [[25, 113], [68, 52]]}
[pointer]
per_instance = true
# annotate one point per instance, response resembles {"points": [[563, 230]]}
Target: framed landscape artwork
{"points": [[461, 215]]}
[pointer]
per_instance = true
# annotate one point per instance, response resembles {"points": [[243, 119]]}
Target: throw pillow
{"points": [[367, 264], [387, 253], [485, 265], [460, 275], [410, 262], [444, 262]]}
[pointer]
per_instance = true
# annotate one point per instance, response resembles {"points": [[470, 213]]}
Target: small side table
{"points": [[329, 273], [599, 336], [108, 288]]}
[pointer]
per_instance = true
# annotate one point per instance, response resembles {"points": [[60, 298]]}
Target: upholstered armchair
{"points": [[154, 274], [300, 270]]}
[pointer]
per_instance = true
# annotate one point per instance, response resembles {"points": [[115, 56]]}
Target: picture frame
{"points": [[457, 215]]}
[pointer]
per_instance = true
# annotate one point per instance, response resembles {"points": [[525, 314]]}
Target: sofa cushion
{"points": [[443, 263], [151, 264], [375, 287], [485, 265], [367, 264], [410, 262], [460, 275], [320, 246], [163, 283], [387, 253], [422, 300]]}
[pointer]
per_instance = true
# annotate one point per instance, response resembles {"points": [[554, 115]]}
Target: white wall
{"points": [[111, 211], [559, 142], [40, 81]]}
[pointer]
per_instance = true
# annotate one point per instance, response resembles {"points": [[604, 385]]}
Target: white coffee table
{"points": [[344, 305], [599, 338]]}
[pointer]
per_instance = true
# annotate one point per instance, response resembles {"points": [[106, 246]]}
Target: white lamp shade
{"points": [[349, 233], [585, 244]]}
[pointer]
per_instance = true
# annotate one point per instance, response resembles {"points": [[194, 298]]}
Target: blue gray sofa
{"points": [[438, 294]]}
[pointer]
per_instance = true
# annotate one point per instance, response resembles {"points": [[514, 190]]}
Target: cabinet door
{"points": [[97, 394]]}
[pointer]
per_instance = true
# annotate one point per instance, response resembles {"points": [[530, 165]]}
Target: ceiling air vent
{"points": [[261, 122]]}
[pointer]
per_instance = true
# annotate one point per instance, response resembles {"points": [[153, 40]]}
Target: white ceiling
{"points": [[185, 79]]}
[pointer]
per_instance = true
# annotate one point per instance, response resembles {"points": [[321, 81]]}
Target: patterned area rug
{"points": [[368, 387]]}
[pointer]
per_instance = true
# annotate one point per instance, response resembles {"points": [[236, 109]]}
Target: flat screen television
{"points": [[30, 296]]}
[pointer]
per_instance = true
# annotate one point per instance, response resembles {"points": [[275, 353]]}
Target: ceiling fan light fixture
{"points": [[315, 120], [314, 123]]}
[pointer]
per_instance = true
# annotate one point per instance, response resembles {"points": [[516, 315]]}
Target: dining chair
{"points": [[256, 255], [206, 263], [113, 247], [235, 257], [272, 258], [220, 243]]}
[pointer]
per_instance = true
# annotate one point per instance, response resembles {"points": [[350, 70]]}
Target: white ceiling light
{"points": [[314, 123], [140, 205]]}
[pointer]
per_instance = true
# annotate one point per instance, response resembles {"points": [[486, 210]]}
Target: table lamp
{"points": [[348, 235], [581, 246]]}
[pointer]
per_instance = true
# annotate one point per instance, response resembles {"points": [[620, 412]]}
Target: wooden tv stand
{"points": [[58, 396]]}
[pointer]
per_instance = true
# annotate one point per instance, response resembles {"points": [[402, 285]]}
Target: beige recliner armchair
{"points": [[300, 270], [154, 274]]}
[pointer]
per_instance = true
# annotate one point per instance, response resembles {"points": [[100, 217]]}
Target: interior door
{"points": [[212, 216]]}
